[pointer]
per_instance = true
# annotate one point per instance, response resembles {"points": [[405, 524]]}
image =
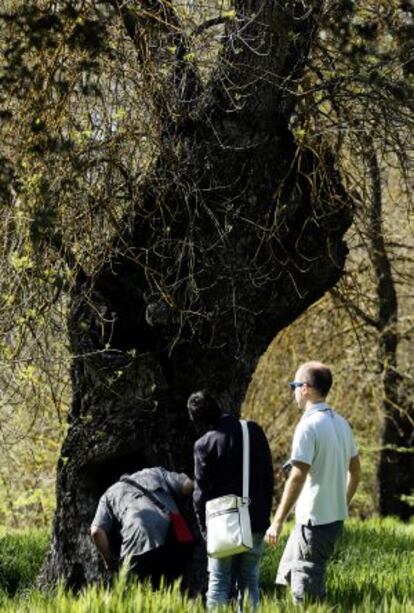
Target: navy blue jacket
{"points": [[218, 464]]}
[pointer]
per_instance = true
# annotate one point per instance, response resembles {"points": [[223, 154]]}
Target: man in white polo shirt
{"points": [[323, 479]]}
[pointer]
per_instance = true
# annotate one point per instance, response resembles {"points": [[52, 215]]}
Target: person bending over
{"points": [[148, 545]]}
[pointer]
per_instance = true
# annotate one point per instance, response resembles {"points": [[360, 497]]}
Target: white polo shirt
{"points": [[323, 439]]}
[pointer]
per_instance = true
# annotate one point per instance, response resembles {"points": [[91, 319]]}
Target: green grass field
{"points": [[373, 570]]}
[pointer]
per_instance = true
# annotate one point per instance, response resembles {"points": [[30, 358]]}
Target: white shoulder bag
{"points": [[227, 517]]}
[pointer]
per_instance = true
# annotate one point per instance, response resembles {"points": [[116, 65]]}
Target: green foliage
{"points": [[372, 571], [21, 556], [29, 451]]}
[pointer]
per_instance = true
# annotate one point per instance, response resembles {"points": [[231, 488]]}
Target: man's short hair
{"points": [[318, 376], [203, 408]]}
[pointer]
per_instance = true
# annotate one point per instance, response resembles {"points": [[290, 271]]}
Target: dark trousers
{"points": [[168, 561]]}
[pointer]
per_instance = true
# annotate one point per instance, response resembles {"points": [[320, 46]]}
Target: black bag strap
{"points": [[146, 493]]}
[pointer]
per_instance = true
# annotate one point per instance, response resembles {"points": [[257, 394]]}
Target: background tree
{"points": [[363, 98], [396, 457], [379, 135], [341, 329]]}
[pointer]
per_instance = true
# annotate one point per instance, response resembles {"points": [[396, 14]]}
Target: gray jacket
{"points": [[143, 526]]}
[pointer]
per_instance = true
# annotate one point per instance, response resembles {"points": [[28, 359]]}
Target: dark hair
{"points": [[319, 377], [203, 408]]}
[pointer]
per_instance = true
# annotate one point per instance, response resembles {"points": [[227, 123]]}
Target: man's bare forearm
{"points": [[290, 495], [354, 477], [100, 538], [291, 492]]}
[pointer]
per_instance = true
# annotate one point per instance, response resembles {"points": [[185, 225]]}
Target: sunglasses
{"points": [[294, 384]]}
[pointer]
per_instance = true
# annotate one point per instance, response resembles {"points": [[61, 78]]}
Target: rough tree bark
{"points": [[237, 231]]}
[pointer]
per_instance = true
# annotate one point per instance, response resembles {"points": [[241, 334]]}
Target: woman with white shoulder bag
{"points": [[233, 487]]}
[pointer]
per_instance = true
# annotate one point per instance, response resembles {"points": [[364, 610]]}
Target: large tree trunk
{"points": [[237, 232]]}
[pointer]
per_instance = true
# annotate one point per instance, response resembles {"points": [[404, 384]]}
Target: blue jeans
{"points": [[240, 571]]}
